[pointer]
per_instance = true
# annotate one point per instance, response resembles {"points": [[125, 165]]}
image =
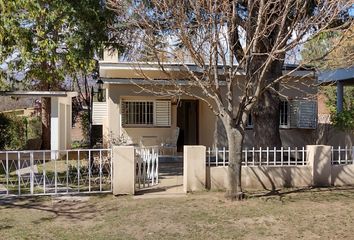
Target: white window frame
{"points": [[154, 114]]}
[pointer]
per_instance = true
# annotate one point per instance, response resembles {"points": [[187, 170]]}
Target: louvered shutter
{"points": [[163, 113], [303, 114], [99, 112]]}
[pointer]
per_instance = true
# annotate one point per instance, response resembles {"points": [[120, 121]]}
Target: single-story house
{"points": [[131, 116]]}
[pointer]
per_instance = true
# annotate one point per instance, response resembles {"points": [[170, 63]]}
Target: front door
{"points": [[187, 121]]}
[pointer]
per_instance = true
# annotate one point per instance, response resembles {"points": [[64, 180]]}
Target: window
{"points": [[138, 113], [146, 113], [284, 114], [295, 114], [249, 121]]}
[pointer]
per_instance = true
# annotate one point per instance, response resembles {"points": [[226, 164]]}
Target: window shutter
{"points": [[163, 113], [303, 114], [99, 112]]}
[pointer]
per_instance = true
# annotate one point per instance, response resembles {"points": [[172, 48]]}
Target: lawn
{"points": [[293, 214]]}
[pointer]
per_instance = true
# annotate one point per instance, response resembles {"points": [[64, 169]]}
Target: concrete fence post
{"points": [[123, 170], [319, 158], [194, 168]]}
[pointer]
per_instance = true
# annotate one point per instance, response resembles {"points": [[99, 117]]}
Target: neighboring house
{"points": [[60, 115], [137, 117]]}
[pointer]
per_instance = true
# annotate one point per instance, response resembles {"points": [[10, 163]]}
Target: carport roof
{"points": [[345, 75], [38, 93]]}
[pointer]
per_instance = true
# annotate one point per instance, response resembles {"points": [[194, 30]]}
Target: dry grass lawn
{"points": [[309, 214]]}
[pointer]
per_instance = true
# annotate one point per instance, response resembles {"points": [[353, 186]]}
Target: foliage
{"points": [[51, 44], [344, 120], [52, 39], [85, 125], [12, 132], [331, 49]]}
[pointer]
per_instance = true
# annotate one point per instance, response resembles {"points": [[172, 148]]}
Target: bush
{"points": [[12, 132], [344, 120]]}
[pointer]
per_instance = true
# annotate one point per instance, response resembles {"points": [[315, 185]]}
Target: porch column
{"points": [[54, 124], [339, 96]]}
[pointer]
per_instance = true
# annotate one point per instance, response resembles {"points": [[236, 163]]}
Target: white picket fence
{"points": [[342, 155], [50, 172], [284, 156], [147, 167]]}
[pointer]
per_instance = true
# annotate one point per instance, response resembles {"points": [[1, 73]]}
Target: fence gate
{"points": [[55, 172], [147, 167]]}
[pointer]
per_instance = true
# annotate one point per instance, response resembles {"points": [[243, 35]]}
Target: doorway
{"points": [[187, 121]]}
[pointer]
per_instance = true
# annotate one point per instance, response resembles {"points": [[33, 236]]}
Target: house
{"points": [[132, 116]]}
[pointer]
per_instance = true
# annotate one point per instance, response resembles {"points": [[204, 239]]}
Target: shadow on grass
{"points": [[71, 207], [284, 192]]}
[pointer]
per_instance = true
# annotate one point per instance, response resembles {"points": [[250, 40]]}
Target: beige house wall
{"points": [[210, 132]]}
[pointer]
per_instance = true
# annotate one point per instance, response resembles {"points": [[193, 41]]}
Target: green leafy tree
{"points": [[49, 42], [330, 50]]}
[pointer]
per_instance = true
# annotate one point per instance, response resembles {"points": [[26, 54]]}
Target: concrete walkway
{"points": [[170, 182]]}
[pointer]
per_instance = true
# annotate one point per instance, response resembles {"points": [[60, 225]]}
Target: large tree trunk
{"points": [[46, 109], [235, 140], [266, 121], [266, 112]]}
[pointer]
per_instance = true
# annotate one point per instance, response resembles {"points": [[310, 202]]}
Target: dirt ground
{"points": [[289, 214]]}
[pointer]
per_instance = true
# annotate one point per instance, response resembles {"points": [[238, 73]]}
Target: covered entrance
{"points": [[187, 121]]}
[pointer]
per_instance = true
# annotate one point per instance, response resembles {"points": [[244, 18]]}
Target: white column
{"points": [[54, 124]]}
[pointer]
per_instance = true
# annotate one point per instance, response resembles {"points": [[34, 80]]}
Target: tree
{"points": [[330, 50], [223, 39], [51, 42]]}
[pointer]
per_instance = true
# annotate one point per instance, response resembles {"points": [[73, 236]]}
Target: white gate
{"points": [[147, 167], [55, 172]]}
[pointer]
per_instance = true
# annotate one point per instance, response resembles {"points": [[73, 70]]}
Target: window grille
{"points": [[138, 113], [150, 113]]}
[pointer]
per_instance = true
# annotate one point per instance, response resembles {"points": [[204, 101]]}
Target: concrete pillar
{"points": [[340, 90], [54, 124], [123, 170], [194, 168], [319, 158]]}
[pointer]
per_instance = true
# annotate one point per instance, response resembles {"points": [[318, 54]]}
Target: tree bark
{"points": [[235, 140], [266, 121], [45, 116], [266, 113]]}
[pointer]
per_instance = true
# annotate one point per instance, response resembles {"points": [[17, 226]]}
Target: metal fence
{"points": [[260, 157], [342, 156], [147, 167], [55, 172]]}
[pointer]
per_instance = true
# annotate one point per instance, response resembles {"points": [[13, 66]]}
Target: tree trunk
{"points": [[266, 121], [45, 115], [235, 140], [266, 113]]}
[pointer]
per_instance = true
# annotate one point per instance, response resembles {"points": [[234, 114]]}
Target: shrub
{"points": [[12, 132]]}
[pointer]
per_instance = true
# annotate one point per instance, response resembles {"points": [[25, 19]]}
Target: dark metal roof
{"points": [[345, 75]]}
